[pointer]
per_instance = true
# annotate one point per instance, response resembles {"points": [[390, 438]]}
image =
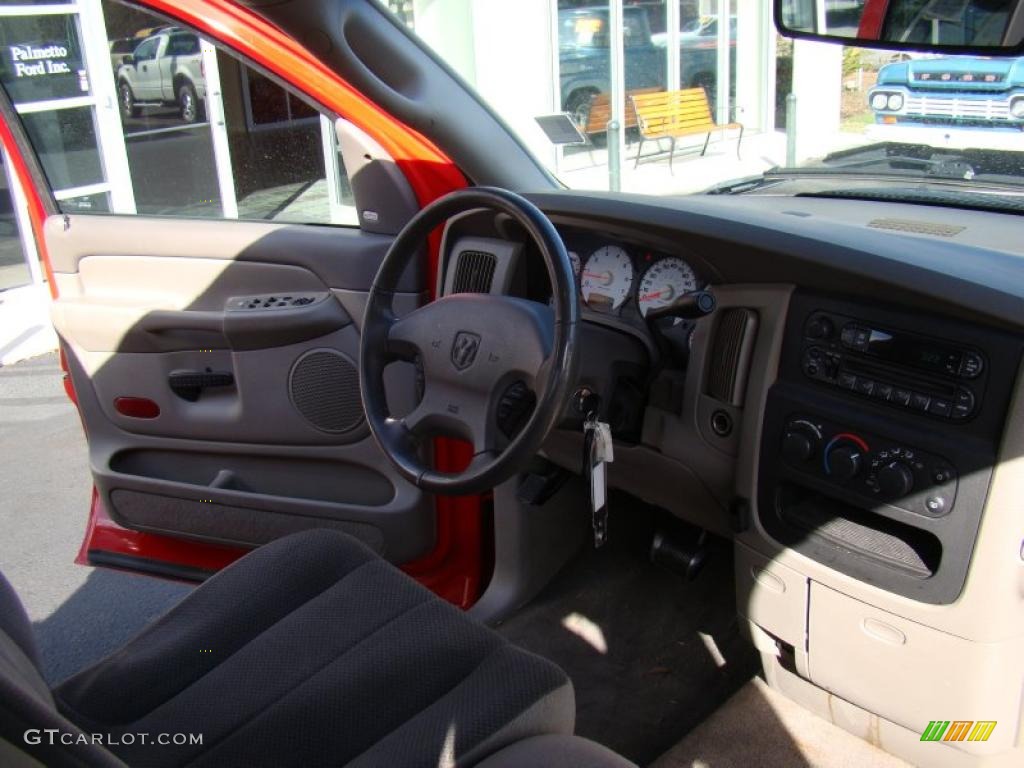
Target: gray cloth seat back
{"points": [[28, 715], [311, 650]]}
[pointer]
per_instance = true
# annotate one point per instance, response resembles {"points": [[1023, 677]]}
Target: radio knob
{"points": [[844, 461], [820, 327], [895, 480]]}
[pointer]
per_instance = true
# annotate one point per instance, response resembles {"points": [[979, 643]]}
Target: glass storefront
{"points": [[14, 271]]}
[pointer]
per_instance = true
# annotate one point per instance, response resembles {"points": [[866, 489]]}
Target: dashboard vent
{"points": [[474, 272], [730, 355]]}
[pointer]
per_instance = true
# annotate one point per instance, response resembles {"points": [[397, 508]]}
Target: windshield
{"points": [[733, 107]]}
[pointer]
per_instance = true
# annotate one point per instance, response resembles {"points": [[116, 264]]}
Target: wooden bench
{"points": [[599, 112], [674, 114]]}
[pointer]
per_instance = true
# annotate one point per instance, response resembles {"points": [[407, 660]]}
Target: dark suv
{"points": [[583, 55], [584, 59]]}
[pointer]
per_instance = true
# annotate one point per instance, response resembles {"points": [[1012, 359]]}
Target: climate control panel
{"points": [[870, 466]]}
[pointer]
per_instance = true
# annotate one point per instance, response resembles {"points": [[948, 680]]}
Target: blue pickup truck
{"points": [[952, 92]]}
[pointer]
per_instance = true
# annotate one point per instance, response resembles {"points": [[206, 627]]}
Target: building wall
{"points": [[505, 50]]}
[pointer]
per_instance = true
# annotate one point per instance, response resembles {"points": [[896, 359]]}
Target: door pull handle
{"points": [[188, 385]]}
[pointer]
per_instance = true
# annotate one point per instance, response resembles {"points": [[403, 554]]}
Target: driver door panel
{"points": [[264, 318]]}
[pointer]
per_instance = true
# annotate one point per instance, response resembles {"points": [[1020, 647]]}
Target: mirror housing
{"points": [[985, 27], [127, 60]]}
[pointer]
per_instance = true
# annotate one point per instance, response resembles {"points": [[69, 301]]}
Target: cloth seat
{"points": [[310, 651]]}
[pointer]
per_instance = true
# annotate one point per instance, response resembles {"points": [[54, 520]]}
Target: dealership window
{"points": [[15, 268], [130, 113]]}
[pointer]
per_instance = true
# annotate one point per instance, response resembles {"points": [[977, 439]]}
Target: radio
{"points": [[900, 369]]}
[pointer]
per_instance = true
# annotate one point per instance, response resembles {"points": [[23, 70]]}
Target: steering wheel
{"points": [[474, 350]]}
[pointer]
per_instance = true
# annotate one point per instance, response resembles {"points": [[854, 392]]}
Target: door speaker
{"points": [[324, 387]]}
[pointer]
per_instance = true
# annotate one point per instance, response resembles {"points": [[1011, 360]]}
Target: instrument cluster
{"points": [[615, 278]]}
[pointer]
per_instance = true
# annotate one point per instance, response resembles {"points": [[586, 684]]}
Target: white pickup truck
{"points": [[166, 68]]}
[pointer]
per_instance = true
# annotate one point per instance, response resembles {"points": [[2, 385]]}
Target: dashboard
{"points": [[851, 416], [773, 412]]}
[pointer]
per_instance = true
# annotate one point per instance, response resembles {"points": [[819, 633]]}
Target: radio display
{"points": [[910, 351]]}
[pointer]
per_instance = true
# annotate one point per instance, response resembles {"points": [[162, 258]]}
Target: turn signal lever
{"points": [[689, 306], [672, 339]]}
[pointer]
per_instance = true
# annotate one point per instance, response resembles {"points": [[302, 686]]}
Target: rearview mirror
{"points": [[939, 26]]}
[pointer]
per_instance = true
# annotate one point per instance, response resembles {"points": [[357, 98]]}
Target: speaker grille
{"points": [[324, 387], [730, 355], [474, 272]]}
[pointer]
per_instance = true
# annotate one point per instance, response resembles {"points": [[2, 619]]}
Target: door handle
{"points": [[188, 385]]}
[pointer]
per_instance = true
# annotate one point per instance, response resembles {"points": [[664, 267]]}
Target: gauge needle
{"points": [[604, 277], [651, 296]]}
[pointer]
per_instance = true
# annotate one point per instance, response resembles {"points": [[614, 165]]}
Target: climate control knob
{"points": [[895, 480], [844, 455], [843, 461], [797, 447]]}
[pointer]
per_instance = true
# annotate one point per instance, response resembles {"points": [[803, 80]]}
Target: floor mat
{"points": [[649, 653], [760, 727]]}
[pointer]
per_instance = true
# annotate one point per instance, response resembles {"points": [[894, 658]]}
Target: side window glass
{"points": [[147, 50], [131, 114]]}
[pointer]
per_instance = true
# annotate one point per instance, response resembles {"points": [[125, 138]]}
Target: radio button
{"points": [[964, 404], [847, 381], [971, 365], [865, 386], [919, 402], [901, 396], [882, 391], [940, 408]]}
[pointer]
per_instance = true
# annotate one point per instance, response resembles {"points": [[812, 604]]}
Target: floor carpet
{"points": [[650, 654], [760, 727]]}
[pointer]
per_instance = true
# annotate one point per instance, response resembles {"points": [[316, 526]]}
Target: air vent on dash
{"points": [[917, 227], [474, 272], [730, 355]]}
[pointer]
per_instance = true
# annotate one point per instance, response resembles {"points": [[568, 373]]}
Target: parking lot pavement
{"points": [[79, 613]]}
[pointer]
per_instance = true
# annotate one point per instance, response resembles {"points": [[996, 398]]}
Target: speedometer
{"points": [[607, 278], [665, 282]]}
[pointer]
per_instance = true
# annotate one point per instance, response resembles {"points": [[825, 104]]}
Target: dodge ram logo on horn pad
{"points": [[464, 349]]}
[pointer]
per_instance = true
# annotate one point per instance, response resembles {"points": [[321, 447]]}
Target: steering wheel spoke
{"points": [[447, 411], [401, 340]]}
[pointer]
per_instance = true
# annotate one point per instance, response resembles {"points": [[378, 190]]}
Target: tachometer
{"points": [[664, 282], [607, 278]]}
